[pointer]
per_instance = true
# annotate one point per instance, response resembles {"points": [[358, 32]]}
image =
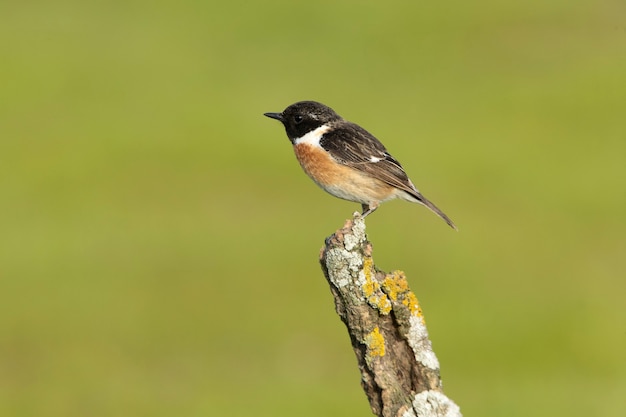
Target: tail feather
{"points": [[419, 198], [438, 212]]}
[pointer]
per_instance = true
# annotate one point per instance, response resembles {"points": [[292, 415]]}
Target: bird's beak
{"points": [[277, 116]]}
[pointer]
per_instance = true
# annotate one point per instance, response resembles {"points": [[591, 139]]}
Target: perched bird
{"points": [[346, 160]]}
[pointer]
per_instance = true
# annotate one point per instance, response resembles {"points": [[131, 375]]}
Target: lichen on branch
{"points": [[400, 372]]}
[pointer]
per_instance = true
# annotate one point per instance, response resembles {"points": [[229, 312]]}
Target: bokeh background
{"points": [[159, 243]]}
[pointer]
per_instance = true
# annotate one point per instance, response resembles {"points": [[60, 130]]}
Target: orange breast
{"points": [[341, 180], [318, 164]]}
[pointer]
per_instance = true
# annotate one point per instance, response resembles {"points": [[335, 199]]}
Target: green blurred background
{"points": [[159, 241]]}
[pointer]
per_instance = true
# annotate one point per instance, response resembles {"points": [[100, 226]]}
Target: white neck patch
{"points": [[313, 137]]}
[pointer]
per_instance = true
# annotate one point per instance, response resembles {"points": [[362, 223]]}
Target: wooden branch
{"points": [[399, 370]]}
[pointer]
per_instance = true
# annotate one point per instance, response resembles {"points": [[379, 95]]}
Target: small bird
{"points": [[346, 160]]}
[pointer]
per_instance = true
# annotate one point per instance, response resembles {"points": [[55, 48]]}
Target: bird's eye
{"points": [[297, 118]]}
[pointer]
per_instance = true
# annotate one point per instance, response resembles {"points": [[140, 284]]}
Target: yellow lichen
{"points": [[411, 302], [372, 290], [395, 284], [370, 286], [383, 304], [375, 343], [367, 267], [397, 288]]}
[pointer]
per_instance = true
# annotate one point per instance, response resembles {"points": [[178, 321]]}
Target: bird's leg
{"points": [[368, 209]]}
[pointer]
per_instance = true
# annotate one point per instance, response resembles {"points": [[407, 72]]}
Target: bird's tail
{"points": [[438, 212], [419, 198]]}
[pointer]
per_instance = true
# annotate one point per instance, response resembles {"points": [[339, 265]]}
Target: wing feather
{"points": [[354, 146]]}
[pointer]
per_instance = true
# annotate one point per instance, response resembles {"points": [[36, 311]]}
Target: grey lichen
{"points": [[357, 237], [343, 266], [432, 404], [420, 343]]}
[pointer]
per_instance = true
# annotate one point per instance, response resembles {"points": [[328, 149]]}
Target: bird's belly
{"points": [[340, 180]]}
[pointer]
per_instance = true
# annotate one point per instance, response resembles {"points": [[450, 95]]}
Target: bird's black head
{"points": [[303, 117]]}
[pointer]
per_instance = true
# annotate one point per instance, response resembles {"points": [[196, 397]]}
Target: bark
{"points": [[399, 370]]}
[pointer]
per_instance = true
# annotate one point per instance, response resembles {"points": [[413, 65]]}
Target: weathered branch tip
{"points": [[399, 370]]}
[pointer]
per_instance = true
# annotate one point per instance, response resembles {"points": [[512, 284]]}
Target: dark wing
{"points": [[354, 146]]}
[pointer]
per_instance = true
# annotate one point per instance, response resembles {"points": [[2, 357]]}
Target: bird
{"points": [[346, 160]]}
